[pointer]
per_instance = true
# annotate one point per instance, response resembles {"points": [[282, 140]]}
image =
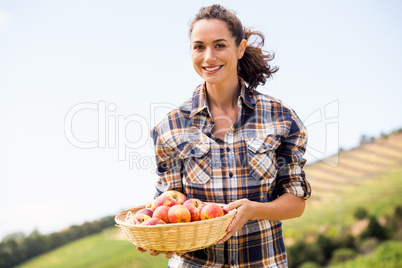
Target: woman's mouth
{"points": [[212, 69]]}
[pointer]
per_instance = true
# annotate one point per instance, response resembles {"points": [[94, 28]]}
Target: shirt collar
{"points": [[245, 95], [199, 100]]}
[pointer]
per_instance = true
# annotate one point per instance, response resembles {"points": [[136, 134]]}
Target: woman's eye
{"points": [[198, 47], [220, 45]]}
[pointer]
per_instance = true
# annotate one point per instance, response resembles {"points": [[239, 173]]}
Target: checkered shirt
{"points": [[260, 158]]}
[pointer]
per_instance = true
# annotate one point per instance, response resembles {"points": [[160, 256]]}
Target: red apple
{"points": [[171, 198], [211, 211], [145, 211], [152, 205], [162, 213], [166, 201], [179, 214], [195, 206], [141, 217], [153, 221]]}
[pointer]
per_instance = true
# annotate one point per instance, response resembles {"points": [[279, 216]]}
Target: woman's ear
{"points": [[242, 48]]}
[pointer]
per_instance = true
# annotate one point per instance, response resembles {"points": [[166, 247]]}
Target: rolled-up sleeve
{"points": [[291, 177], [168, 165]]}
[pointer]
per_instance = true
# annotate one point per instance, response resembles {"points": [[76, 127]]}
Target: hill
{"points": [[368, 161], [368, 176], [106, 249], [365, 162]]}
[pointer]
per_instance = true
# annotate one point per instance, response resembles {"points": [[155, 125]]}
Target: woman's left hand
{"points": [[245, 212]]}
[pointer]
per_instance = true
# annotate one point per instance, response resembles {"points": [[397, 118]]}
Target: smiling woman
{"points": [[231, 144], [215, 54]]}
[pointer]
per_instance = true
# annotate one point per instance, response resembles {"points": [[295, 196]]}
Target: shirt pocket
{"points": [[262, 157], [197, 161]]}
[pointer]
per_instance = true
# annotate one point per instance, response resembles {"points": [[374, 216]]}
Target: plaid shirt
{"points": [[260, 158]]}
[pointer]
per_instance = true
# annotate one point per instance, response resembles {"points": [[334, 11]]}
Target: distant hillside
{"points": [[354, 167]]}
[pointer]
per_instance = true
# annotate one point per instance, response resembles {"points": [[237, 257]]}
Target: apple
{"points": [[211, 211], [162, 213], [153, 221], [179, 214], [141, 217], [171, 198], [145, 211], [152, 205], [195, 206], [166, 201]]}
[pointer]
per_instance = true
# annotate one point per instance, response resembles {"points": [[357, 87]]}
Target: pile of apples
{"points": [[173, 207]]}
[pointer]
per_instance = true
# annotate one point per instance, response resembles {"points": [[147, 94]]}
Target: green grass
{"points": [[106, 249], [388, 254], [378, 195]]}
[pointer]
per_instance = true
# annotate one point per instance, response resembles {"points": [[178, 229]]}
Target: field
{"points": [[107, 249], [379, 196], [368, 176]]}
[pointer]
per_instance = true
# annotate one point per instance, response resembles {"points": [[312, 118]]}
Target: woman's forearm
{"points": [[286, 206]]}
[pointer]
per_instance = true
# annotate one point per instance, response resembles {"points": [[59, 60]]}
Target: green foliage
{"points": [[343, 254], [302, 252], [344, 240], [388, 254], [360, 213], [398, 212], [16, 248], [326, 245], [374, 229], [310, 264]]}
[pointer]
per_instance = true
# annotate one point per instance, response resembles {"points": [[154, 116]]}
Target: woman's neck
{"points": [[223, 97]]}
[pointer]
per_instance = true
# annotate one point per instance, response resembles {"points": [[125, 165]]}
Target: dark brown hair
{"points": [[254, 66]]}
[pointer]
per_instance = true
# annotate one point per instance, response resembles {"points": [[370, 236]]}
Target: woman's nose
{"points": [[210, 55]]}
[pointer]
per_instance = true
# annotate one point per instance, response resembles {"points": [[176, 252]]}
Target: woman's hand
{"points": [[286, 206], [153, 253], [245, 212]]}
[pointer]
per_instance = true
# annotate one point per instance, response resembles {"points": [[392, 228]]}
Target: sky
{"points": [[83, 82]]}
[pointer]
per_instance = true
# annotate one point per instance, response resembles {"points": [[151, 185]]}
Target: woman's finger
{"points": [[153, 253], [141, 250]]}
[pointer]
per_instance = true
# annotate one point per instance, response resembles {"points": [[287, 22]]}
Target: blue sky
{"points": [[83, 82]]}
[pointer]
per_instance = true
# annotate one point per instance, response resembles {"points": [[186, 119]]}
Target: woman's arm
{"points": [[286, 206]]}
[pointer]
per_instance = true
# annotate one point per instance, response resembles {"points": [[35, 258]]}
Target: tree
{"points": [[374, 229]]}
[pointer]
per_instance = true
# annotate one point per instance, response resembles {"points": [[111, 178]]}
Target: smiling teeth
{"points": [[212, 69]]}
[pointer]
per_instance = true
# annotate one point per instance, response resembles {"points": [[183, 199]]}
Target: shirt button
{"points": [[230, 174], [227, 149], [192, 151]]}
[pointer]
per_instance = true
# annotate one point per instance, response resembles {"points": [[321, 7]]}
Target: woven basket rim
{"points": [[173, 237], [122, 222]]}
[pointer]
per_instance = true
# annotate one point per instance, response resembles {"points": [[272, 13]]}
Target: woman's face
{"points": [[214, 52]]}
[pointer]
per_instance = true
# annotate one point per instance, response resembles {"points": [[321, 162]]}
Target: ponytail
{"points": [[254, 66]]}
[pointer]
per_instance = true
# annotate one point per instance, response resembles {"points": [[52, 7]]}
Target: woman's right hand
{"points": [[153, 253]]}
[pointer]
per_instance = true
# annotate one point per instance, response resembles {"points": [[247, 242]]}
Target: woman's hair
{"points": [[254, 66]]}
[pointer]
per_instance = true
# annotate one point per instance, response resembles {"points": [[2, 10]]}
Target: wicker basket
{"points": [[175, 237]]}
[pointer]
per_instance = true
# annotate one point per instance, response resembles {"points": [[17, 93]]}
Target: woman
{"points": [[231, 144]]}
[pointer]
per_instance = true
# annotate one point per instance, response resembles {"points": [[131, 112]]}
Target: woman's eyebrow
{"points": [[220, 40], [215, 41]]}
